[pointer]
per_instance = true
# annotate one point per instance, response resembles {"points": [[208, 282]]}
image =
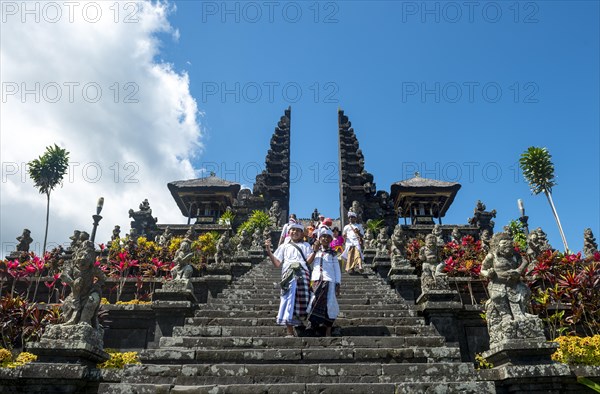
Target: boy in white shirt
{"points": [[293, 257]]}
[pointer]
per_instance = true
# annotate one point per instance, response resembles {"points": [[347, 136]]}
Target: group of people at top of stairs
{"points": [[310, 271]]}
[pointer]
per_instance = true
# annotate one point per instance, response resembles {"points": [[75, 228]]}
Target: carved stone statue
{"points": [[482, 218], [257, 240], [80, 337], [437, 231], [183, 269], [133, 235], [275, 214], [85, 280], [370, 241], [116, 233], [486, 239], [455, 236], [590, 247], [509, 296], [164, 239], [382, 243], [223, 254], [537, 243], [398, 243], [24, 241], [244, 243], [432, 276], [143, 222], [357, 209]]}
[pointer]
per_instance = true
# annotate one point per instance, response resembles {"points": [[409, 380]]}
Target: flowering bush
{"points": [[463, 259], [21, 321], [570, 281], [578, 350], [119, 360], [22, 359]]}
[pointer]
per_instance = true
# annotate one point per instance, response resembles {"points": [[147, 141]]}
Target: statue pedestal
{"points": [[382, 265], [521, 352], [171, 305], [239, 268], [79, 343], [256, 256], [403, 279], [441, 308], [369, 255], [176, 290]]}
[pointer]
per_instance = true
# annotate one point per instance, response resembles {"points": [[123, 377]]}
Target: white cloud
{"points": [[141, 133]]}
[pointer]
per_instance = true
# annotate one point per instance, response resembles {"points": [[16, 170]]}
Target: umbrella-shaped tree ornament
{"points": [[538, 170]]}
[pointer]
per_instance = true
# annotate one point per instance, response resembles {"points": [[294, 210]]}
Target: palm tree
{"points": [[538, 170], [47, 172]]}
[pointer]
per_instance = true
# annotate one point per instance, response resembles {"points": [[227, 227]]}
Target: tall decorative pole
{"points": [[97, 217], [523, 219]]}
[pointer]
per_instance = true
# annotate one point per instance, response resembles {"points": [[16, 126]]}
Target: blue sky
{"points": [[498, 83], [456, 91]]}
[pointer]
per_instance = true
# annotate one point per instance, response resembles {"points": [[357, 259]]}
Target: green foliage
{"points": [[227, 218], [518, 233], [48, 170], [538, 169], [258, 219], [119, 360], [482, 363], [206, 243], [374, 225], [589, 383]]}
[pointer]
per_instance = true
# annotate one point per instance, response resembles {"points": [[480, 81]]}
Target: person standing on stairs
{"points": [[326, 278], [353, 233], [285, 237], [293, 257]]}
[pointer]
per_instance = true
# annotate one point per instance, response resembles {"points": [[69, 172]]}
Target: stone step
{"points": [[300, 342], [273, 313], [402, 374], [270, 294], [249, 388], [268, 321], [275, 289], [415, 354], [300, 388], [250, 301], [275, 331], [274, 305]]}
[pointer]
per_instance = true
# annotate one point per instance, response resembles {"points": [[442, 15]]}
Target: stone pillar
{"points": [[79, 343], [403, 279], [441, 308], [172, 304], [382, 264], [369, 255]]}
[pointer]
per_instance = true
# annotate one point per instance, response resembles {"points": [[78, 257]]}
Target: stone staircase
{"points": [[232, 345]]}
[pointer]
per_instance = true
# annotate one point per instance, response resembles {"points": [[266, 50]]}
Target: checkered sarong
{"points": [[302, 294], [294, 301]]}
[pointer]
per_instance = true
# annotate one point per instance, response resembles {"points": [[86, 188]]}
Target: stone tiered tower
{"points": [[356, 184], [274, 182]]}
